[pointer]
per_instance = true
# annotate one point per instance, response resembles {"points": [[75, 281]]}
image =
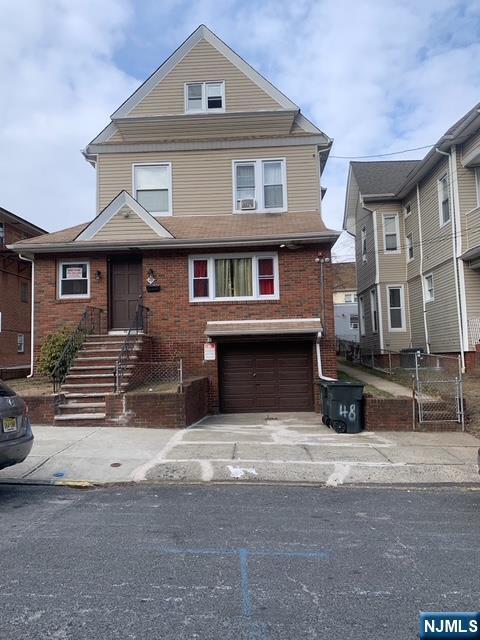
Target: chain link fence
{"points": [[154, 375]]}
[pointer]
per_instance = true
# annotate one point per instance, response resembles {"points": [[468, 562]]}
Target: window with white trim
{"points": [[391, 233], [234, 277], [152, 187], [20, 343], [364, 244], [477, 182], [205, 97], [74, 279], [443, 200], [396, 312], [429, 288], [353, 321], [361, 308], [374, 309], [409, 247], [260, 185]]}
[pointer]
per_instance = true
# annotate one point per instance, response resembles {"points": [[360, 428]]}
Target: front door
{"points": [[125, 290]]}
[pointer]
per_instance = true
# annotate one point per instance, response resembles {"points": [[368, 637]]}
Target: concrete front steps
{"points": [[92, 377]]}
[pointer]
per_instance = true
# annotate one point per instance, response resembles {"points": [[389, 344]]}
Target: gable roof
{"points": [[201, 33], [17, 221], [122, 201], [383, 177]]}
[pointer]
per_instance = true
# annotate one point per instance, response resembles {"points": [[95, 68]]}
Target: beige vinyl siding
{"points": [[394, 340], [202, 180], [472, 292], [471, 238], [365, 270], [124, 228], [392, 266], [412, 227], [441, 313], [467, 189], [203, 64], [472, 143], [417, 325], [437, 241]]}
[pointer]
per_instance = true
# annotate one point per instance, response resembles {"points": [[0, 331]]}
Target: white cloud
{"points": [[59, 85]]}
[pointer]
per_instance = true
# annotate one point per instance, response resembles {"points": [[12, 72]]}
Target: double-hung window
{"points": [[204, 97], [443, 200], [152, 187], [361, 309], [20, 343], [234, 277], [391, 233], [74, 280], [260, 185], [353, 322], [364, 244], [409, 247], [429, 288], [374, 309], [396, 308]]}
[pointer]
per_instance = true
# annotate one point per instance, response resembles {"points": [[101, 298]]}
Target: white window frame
{"points": [[258, 164], [397, 233], [73, 296], [374, 308], [440, 201], [409, 245], [20, 343], [361, 315], [429, 298], [255, 282], [354, 328], [170, 196], [477, 184], [403, 328], [204, 108], [363, 238]]}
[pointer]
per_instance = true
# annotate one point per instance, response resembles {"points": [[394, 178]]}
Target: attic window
{"points": [[202, 97]]}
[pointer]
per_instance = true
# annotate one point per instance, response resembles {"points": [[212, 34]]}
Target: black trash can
{"points": [[342, 405]]}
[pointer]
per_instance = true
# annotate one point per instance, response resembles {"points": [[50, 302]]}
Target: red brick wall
{"points": [[41, 409], [387, 414], [177, 325]]}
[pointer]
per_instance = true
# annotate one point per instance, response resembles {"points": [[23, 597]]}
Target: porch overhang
{"points": [[309, 326], [472, 256]]}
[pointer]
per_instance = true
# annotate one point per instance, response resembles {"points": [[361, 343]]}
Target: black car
{"points": [[16, 437]]}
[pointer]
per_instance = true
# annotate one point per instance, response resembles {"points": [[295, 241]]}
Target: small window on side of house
{"points": [[429, 288], [20, 343], [354, 321], [410, 247], [396, 308], [24, 292], [364, 244], [152, 187], [444, 200], [361, 307], [374, 309], [407, 209], [204, 97], [390, 229]]}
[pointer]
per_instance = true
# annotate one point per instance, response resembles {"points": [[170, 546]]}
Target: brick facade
{"points": [[177, 326]]}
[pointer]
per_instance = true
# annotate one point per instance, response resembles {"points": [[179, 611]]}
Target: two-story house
{"points": [[416, 226], [345, 304], [15, 300], [209, 213]]}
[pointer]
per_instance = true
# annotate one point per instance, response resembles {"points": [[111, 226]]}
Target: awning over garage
{"points": [[264, 327]]}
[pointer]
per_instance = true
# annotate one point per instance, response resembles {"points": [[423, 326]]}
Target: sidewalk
{"points": [[249, 447], [394, 389]]}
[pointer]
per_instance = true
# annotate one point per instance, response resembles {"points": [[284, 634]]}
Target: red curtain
{"points": [[200, 269]]}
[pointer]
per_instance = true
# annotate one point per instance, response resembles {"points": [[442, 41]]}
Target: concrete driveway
{"points": [[249, 447]]}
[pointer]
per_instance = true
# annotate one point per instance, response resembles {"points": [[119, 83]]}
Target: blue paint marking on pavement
{"points": [[246, 597]]}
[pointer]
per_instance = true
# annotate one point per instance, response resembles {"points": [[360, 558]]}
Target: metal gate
{"points": [[439, 389]]}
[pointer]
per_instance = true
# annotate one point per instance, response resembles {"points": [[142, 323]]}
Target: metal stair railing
{"points": [[90, 322], [138, 325]]}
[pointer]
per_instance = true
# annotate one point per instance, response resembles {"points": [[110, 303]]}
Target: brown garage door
{"points": [[273, 376]]}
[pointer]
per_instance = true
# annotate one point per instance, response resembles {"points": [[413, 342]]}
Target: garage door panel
{"points": [[266, 377]]}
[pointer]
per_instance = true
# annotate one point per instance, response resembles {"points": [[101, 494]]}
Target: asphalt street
{"points": [[245, 562]]}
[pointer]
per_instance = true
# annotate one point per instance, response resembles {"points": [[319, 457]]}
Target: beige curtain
{"points": [[233, 277]]}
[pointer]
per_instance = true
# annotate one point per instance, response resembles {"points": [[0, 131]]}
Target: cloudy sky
{"points": [[376, 75]]}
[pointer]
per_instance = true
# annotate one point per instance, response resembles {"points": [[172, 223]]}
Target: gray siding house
{"points": [[417, 244], [345, 305]]}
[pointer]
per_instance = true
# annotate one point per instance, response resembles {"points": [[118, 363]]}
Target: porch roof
{"points": [[264, 327]]}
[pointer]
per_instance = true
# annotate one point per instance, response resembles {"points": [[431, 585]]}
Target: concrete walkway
{"points": [[394, 389], [249, 447]]}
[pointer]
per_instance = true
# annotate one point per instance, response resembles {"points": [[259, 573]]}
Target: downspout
{"points": [[32, 312], [378, 289], [454, 256], [422, 280], [319, 359]]}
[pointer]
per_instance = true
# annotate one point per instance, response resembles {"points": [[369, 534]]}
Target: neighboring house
{"points": [[15, 290], [208, 211], [417, 230], [345, 306]]}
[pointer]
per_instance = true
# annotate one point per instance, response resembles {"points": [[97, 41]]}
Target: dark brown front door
{"points": [[125, 291], [276, 376]]}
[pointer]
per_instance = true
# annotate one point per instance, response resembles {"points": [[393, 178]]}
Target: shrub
{"points": [[52, 348]]}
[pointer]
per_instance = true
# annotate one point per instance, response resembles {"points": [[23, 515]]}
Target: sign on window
{"points": [[73, 273]]}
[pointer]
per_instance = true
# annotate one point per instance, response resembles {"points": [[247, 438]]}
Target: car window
{"points": [[5, 392]]}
